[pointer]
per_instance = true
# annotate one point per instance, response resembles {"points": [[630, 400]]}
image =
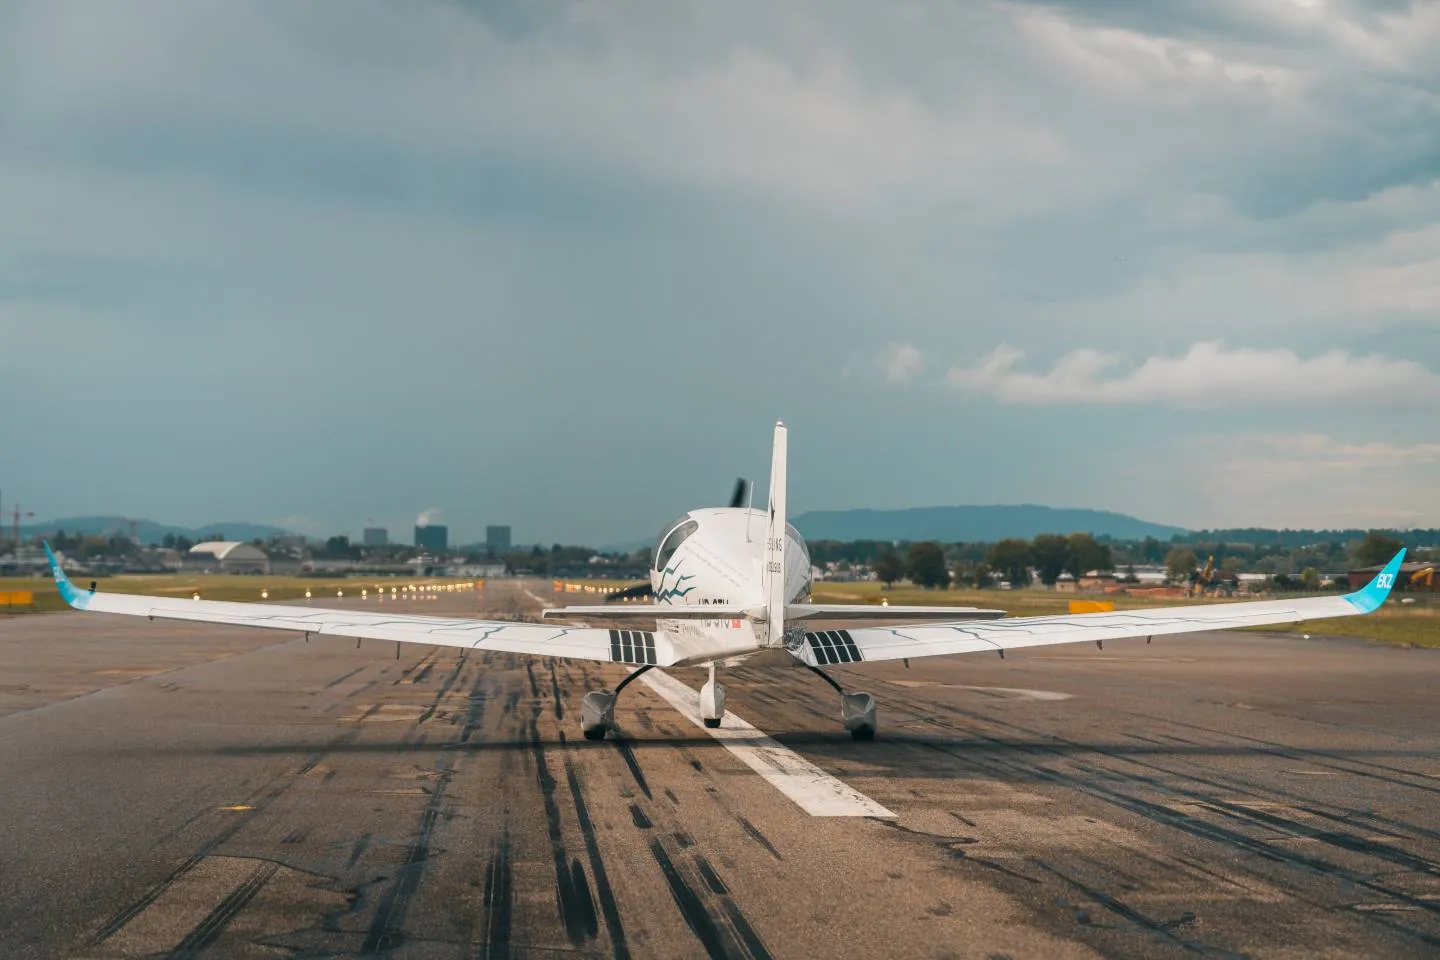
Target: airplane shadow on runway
{"points": [[904, 754]]}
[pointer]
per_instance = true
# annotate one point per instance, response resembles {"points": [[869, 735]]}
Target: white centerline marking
{"points": [[814, 790]]}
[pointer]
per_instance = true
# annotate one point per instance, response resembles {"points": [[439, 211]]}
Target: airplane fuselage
{"points": [[716, 555]]}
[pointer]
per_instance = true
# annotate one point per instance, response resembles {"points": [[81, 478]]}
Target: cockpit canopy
{"points": [[680, 531]]}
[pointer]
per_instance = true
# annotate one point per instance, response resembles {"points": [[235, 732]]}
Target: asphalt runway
{"points": [[179, 790]]}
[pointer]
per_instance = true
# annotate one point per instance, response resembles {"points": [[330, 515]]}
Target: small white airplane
{"points": [[721, 595]]}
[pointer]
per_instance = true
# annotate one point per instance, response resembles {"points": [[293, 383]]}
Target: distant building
{"points": [[376, 537], [226, 556], [497, 540], [434, 537]]}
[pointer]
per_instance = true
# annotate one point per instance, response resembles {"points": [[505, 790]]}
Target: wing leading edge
{"points": [[934, 640], [605, 646]]}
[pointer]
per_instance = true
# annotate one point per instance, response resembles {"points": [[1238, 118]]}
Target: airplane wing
{"points": [[820, 648], [606, 646]]}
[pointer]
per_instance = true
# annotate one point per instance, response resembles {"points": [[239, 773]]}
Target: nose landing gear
{"points": [[712, 701], [857, 710]]}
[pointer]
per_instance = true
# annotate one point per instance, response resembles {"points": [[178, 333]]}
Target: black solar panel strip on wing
{"points": [[850, 646], [824, 648], [615, 654], [838, 651], [627, 645], [650, 648]]}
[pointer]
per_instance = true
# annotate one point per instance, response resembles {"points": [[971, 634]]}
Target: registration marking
{"points": [[812, 789]]}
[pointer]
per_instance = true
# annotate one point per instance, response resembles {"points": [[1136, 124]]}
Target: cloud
{"points": [[902, 362], [1312, 479], [1207, 375]]}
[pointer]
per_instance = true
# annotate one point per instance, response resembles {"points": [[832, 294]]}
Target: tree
{"points": [[1179, 564], [1050, 553], [983, 577], [1130, 575], [1311, 578], [889, 567], [1376, 549], [1011, 560], [926, 565], [1086, 555]]}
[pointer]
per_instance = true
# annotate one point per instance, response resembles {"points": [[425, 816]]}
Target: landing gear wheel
{"points": [[863, 733], [712, 722], [595, 733]]}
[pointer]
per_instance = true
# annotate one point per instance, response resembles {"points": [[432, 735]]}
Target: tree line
{"points": [[1049, 556]]}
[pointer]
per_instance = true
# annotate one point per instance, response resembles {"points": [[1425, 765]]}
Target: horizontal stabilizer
{"points": [[868, 612], [649, 611]]}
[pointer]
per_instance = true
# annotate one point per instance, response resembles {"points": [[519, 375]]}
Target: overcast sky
{"points": [[562, 265]]}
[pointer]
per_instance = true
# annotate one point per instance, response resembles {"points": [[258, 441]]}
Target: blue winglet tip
{"points": [[68, 593], [1369, 597]]}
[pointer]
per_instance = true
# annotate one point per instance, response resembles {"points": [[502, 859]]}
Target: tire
{"points": [[596, 733], [863, 733], [712, 722]]}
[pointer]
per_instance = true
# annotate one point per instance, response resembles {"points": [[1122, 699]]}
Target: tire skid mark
{"points": [[572, 892], [1091, 779], [1163, 930], [1319, 758], [445, 686], [555, 691], [257, 803], [499, 902], [724, 804], [386, 927], [358, 850], [608, 908], [705, 905], [475, 714], [622, 744], [208, 930], [730, 936], [343, 677]]}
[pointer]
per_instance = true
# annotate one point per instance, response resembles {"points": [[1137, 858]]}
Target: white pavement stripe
{"points": [[816, 792]]}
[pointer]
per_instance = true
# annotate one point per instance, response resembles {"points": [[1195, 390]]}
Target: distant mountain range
{"points": [[149, 531], [968, 524], [974, 524]]}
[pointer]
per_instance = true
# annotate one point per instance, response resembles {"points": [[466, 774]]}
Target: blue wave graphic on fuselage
{"points": [[672, 592]]}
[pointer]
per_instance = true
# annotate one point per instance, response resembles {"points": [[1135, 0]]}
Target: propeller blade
{"points": [[629, 593], [741, 494]]}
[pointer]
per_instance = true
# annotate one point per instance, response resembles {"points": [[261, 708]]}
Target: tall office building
{"points": [[434, 537], [497, 540], [376, 537]]}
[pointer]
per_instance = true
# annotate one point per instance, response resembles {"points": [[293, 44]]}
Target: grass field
{"points": [[210, 587]]}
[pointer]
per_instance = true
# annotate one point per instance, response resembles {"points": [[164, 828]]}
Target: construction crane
{"points": [[1202, 577], [17, 514]]}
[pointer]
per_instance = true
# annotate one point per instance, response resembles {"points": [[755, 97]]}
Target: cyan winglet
{"points": [[1369, 597], [78, 599]]}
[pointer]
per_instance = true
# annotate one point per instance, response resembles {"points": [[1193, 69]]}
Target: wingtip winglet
{"points": [[68, 593], [1369, 597]]}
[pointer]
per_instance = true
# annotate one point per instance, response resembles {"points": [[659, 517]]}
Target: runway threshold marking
{"points": [[812, 789]]}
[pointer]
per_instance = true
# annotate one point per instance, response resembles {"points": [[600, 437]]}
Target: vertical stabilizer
{"points": [[773, 571]]}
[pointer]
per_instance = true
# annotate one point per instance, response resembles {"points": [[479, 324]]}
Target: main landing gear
{"points": [[597, 708], [857, 710]]}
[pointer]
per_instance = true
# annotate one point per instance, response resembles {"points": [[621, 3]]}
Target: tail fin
{"points": [[773, 572]]}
